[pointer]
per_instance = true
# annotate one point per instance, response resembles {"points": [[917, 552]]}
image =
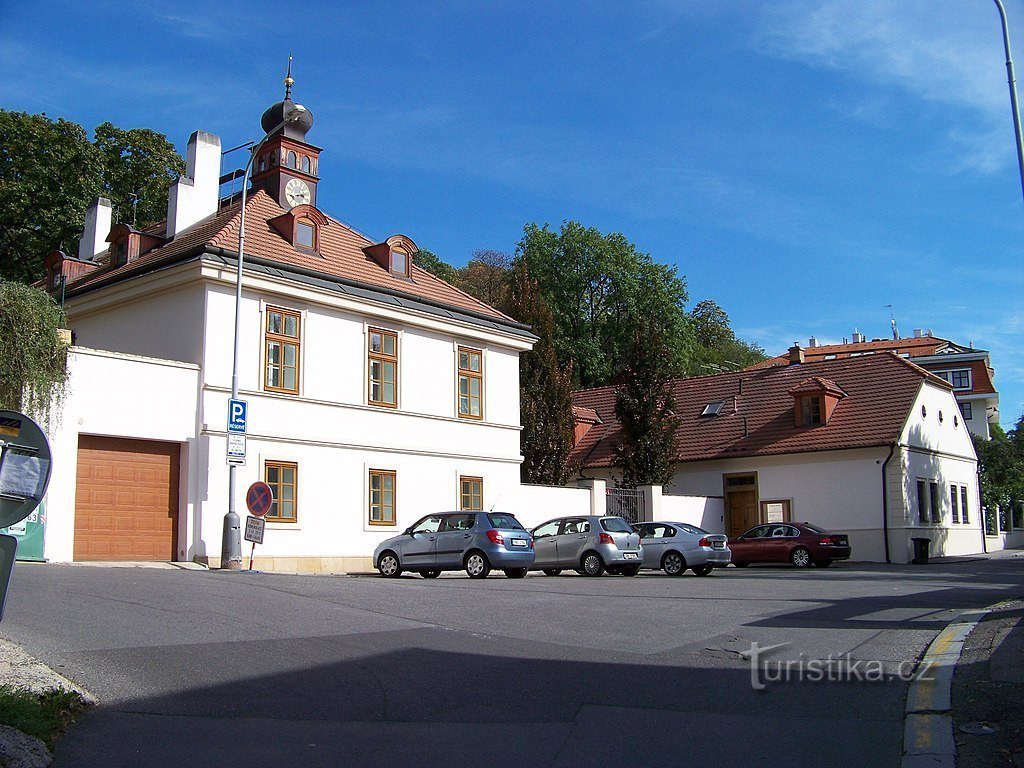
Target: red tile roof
{"points": [[916, 347], [340, 255], [758, 418]]}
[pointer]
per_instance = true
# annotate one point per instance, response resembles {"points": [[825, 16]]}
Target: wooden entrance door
{"points": [[741, 512]]}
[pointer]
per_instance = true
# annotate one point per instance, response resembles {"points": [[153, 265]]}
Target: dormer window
{"points": [[118, 253], [814, 401], [810, 410], [301, 227], [394, 254], [305, 234], [399, 263]]}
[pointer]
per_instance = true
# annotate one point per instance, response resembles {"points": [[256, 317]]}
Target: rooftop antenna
{"points": [[892, 322], [135, 208]]}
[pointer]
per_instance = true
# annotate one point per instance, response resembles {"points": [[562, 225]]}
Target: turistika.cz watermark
{"points": [[840, 668]]}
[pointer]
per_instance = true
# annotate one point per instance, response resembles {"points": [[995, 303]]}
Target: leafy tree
{"points": [[643, 406], [1001, 468], [431, 262], [599, 286], [33, 357], [139, 166], [49, 174], [487, 276], [716, 346], [545, 388]]}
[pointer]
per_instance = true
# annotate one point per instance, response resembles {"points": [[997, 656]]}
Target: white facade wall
{"points": [[536, 504], [117, 395], [707, 512]]}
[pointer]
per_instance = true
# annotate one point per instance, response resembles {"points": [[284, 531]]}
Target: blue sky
{"points": [[803, 162]]}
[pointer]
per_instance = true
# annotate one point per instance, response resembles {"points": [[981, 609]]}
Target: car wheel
{"points": [[389, 565], [430, 574], [800, 557], [476, 565], [552, 571], [631, 570], [591, 564], [673, 564], [515, 573], [823, 563], [740, 565], [703, 570]]}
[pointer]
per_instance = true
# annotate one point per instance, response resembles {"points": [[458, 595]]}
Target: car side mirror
{"points": [[407, 532]]}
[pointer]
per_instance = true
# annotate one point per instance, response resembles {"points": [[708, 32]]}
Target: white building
{"points": [[872, 446], [376, 392]]}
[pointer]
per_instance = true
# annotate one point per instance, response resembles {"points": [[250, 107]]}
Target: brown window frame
{"points": [[270, 337], [808, 405], [382, 474], [469, 375], [391, 262], [470, 480], [306, 221], [382, 358], [274, 515]]}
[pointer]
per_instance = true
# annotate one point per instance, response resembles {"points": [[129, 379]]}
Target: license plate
{"points": [[629, 555], [518, 542], [718, 544]]}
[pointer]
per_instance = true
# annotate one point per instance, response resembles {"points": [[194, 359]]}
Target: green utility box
{"points": [[29, 533]]}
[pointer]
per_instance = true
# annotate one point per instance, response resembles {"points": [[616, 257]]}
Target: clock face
{"points": [[297, 193]]}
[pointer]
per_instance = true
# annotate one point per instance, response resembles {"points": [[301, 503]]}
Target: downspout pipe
{"points": [[885, 502]]}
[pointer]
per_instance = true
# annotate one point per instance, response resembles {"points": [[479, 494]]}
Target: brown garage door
{"points": [[126, 503]]}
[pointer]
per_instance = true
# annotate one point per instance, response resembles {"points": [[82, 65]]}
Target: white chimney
{"points": [[193, 197], [858, 337], [812, 342], [917, 333], [93, 241]]}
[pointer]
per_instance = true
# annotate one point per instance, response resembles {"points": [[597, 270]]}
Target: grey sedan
{"points": [[674, 547], [588, 545], [451, 541]]}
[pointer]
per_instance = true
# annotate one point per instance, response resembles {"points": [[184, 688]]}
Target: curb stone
{"points": [[928, 724]]}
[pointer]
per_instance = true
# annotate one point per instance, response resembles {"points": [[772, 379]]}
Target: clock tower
{"points": [[286, 166]]}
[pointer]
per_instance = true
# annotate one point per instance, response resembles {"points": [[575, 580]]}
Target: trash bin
{"points": [[921, 551]]}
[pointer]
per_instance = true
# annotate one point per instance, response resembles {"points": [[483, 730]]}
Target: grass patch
{"points": [[43, 715]]}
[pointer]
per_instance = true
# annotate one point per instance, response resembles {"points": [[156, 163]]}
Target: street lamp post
{"points": [[231, 541], [1012, 81]]}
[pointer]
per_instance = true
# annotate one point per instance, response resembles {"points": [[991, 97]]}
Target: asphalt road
{"points": [[196, 667]]}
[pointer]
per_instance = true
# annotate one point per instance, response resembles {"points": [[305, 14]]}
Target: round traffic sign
{"points": [[24, 467], [259, 498]]}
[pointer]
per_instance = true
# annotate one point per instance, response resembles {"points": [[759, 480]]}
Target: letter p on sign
{"points": [[237, 412]]}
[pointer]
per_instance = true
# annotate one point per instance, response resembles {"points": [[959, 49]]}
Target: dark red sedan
{"points": [[798, 543]]}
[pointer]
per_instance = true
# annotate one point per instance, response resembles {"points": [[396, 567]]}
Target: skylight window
{"points": [[714, 408]]}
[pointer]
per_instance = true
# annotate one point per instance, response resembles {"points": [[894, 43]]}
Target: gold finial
{"points": [[289, 81]]}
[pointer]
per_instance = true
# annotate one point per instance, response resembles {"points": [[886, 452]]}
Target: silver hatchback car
{"points": [[674, 547], [451, 541], [588, 545]]}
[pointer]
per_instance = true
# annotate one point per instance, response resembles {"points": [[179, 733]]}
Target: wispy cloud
{"points": [[947, 54]]}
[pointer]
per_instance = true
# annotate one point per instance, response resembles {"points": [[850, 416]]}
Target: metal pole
{"points": [[231, 538], [1012, 82]]}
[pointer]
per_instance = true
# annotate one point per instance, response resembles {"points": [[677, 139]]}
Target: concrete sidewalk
{"points": [[988, 692]]}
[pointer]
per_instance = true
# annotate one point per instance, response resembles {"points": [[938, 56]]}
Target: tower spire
{"points": [[289, 81]]}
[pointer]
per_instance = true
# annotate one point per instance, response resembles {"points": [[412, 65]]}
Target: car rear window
{"points": [[504, 521], [615, 524], [693, 529]]}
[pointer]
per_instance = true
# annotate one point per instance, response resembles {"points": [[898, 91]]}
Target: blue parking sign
{"points": [[237, 411]]}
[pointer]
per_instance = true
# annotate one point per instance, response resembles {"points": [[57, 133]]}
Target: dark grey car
{"points": [[588, 545], [452, 541]]}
